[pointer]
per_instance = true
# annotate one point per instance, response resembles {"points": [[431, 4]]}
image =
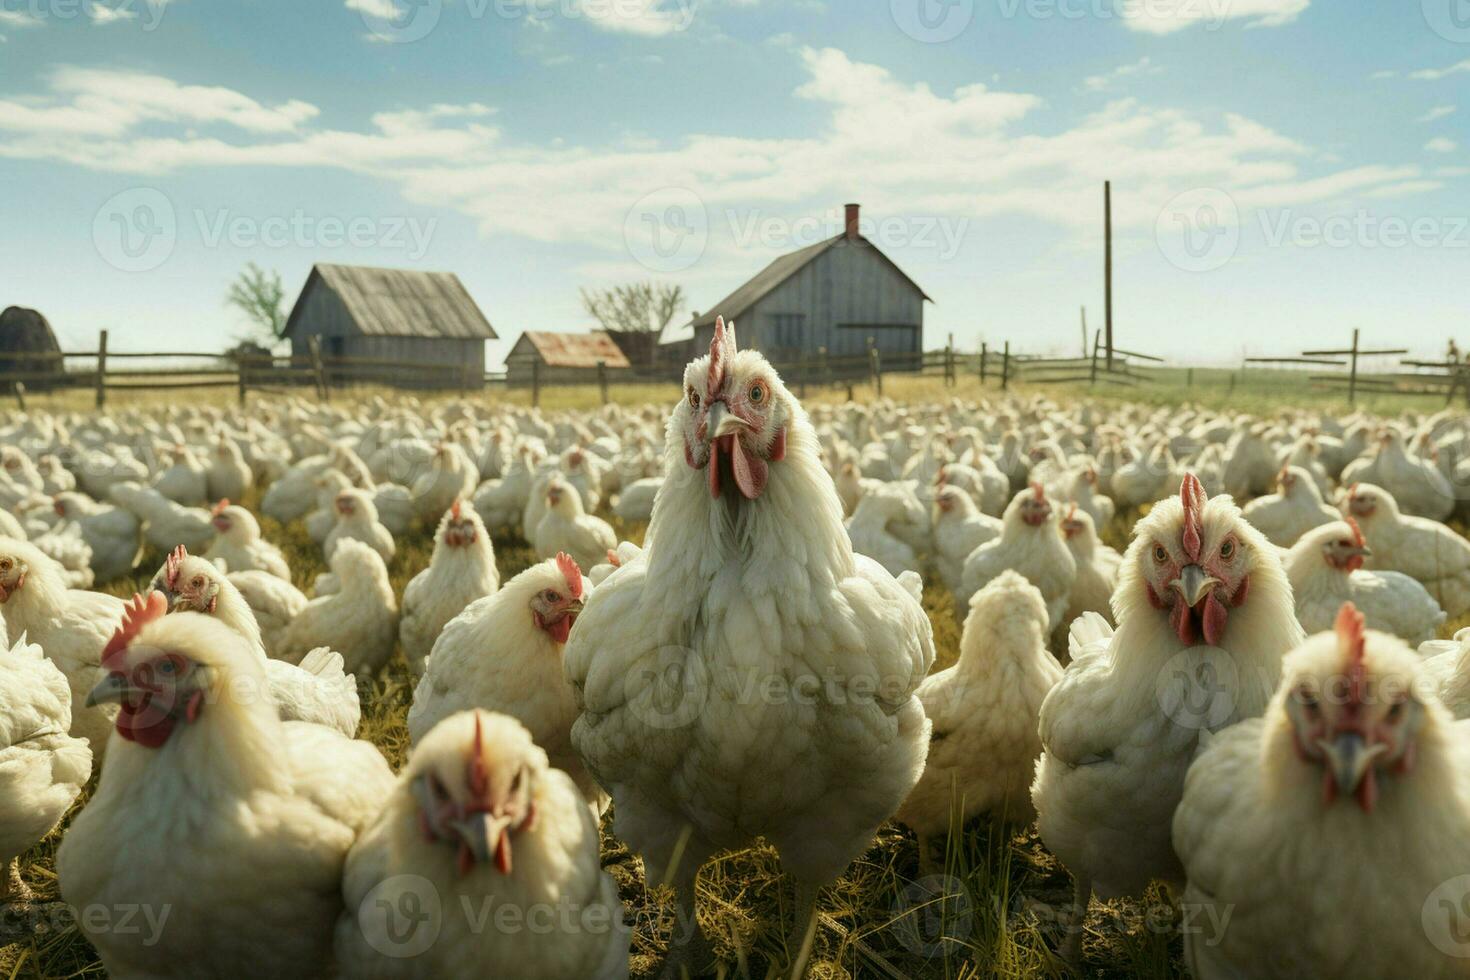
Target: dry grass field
{"points": [[992, 913]]}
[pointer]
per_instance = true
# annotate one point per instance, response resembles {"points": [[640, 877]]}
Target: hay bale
{"points": [[26, 331]]}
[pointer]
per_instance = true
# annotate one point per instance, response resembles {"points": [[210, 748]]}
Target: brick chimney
{"points": [[852, 220]]}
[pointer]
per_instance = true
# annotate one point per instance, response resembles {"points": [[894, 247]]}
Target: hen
{"points": [[1326, 570], [1204, 613], [275, 603], [357, 520], [1030, 544], [504, 653], [213, 812], [42, 768], [1097, 567], [1424, 550], [959, 528], [166, 524], [1292, 511], [113, 533], [982, 753], [461, 570], [359, 620], [1355, 783], [239, 545], [567, 527], [747, 583], [481, 819]]}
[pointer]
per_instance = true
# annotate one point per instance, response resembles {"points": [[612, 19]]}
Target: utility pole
{"points": [[1108, 266]]}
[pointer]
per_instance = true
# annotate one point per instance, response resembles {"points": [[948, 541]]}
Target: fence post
{"points": [[535, 383], [101, 368], [240, 369], [602, 380], [20, 394], [1189, 378], [1353, 370], [1092, 371], [876, 361], [949, 362], [984, 353], [314, 347], [1005, 367]]}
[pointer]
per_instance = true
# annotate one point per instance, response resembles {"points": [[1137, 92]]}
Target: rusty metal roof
{"points": [[571, 350]]}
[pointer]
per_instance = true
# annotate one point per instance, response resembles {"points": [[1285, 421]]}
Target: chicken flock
{"points": [[1256, 705]]}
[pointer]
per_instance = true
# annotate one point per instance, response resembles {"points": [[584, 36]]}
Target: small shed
{"points": [[25, 331], [402, 319], [837, 294], [562, 358]]}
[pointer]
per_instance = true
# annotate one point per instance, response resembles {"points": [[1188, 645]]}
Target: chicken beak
{"points": [[1349, 758], [722, 423], [573, 607], [1193, 584], [112, 689], [481, 833], [1362, 550]]}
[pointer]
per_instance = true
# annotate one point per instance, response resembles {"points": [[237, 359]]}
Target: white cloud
{"points": [[1438, 112], [1441, 144], [1382, 74], [1435, 74], [1098, 83], [1168, 16], [18, 18], [101, 15]]}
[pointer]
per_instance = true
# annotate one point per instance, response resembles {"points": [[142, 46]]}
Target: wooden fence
{"points": [[1444, 379]]}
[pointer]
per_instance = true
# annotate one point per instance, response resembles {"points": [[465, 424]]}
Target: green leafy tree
{"points": [[259, 295]]}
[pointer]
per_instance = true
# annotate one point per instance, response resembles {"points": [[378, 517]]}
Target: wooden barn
{"points": [[563, 358], [835, 294], [409, 318]]}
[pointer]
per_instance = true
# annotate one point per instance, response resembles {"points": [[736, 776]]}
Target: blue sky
{"points": [[1283, 170]]}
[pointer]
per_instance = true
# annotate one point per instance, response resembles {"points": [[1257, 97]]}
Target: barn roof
{"points": [[398, 302], [738, 303], [571, 350]]}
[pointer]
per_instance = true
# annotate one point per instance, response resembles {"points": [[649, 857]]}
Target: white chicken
{"points": [[502, 502], [70, 626], [504, 653], [481, 818], [1326, 570], [42, 768], [451, 476], [1097, 567], [114, 534], [1031, 544], [359, 620], [166, 524], [239, 545], [275, 603], [1356, 782], [747, 580], [1415, 483], [1204, 614], [982, 753], [868, 530], [1424, 550], [228, 476], [461, 570], [567, 527], [959, 528], [635, 503], [211, 808], [357, 520], [1292, 511]]}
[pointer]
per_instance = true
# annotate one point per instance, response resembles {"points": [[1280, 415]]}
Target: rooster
{"points": [[481, 818], [1326, 570], [1355, 783], [210, 807], [504, 653], [461, 570], [316, 690], [1204, 613], [1425, 550], [1030, 544], [42, 768], [238, 543], [983, 750], [70, 626], [747, 579]]}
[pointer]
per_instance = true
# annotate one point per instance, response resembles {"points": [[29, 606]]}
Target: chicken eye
{"points": [[693, 398], [551, 596], [1227, 550], [515, 784], [165, 667], [440, 793], [4, 564], [1396, 711], [1160, 554], [757, 393], [198, 582]]}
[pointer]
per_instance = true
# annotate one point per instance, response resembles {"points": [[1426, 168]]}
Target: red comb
{"points": [[1071, 512], [171, 566], [571, 573], [137, 613], [940, 477], [454, 509], [612, 558], [1349, 629], [1192, 496], [479, 778], [219, 507], [1357, 532], [1038, 491], [721, 346]]}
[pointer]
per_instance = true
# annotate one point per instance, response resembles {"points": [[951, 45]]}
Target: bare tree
{"points": [[641, 307], [259, 295]]}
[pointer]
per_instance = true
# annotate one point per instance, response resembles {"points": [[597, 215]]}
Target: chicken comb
{"points": [[478, 777], [721, 350], [171, 566], [941, 477], [613, 559], [1192, 496], [137, 613], [1037, 490], [1072, 511], [1349, 627], [219, 508], [454, 509], [1357, 532], [571, 573]]}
